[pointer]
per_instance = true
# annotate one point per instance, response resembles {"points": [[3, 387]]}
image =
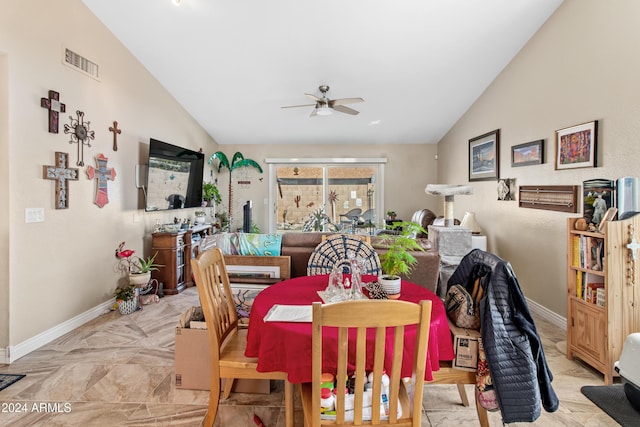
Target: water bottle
{"points": [[326, 401]]}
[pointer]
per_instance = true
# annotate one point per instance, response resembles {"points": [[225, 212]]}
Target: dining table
{"points": [[285, 346]]}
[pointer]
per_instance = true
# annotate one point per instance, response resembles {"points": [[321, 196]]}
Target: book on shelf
{"points": [[591, 292]]}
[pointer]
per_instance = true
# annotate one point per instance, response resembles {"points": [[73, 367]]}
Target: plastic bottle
{"points": [[326, 400], [327, 380]]}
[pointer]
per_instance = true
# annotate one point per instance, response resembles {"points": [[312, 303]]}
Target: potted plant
{"points": [[398, 260], [201, 217], [126, 299], [210, 193], [138, 269], [144, 266], [392, 215]]}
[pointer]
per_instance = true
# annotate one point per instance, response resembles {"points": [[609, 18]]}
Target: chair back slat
{"points": [[216, 297], [361, 316]]}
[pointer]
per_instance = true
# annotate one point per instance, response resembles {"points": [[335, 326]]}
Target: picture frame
{"points": [[577, 146], [598, 195], [529, 153], [484, 157]]}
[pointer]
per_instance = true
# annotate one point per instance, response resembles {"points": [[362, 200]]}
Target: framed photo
{"points": [[484, 157], [529, 153], [598, 195], [576, 146]]}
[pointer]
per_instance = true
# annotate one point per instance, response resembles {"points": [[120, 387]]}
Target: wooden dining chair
{"points": [[360, 315], [226, 340]]}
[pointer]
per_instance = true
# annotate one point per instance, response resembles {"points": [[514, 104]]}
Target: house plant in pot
{"points": [[397, 260], [126, 298], [145, 266], [138, 269], [210, 194]]}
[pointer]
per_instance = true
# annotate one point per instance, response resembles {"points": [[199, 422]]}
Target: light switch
{"points": [[33, 215]]}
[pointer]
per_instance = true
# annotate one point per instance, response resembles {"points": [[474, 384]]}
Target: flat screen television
{"points": [[174, 177]]}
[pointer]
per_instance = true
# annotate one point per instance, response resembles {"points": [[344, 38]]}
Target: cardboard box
{"points": [[465, 345], [192, 365]]}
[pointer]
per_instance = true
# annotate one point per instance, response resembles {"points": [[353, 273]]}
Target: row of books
{"points": [[590, 288], [588, 252]]}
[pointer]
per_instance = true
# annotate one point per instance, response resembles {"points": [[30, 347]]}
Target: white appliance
{"points": [[629, 369]]}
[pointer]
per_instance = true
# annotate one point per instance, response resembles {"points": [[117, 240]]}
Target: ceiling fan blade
{"points": [[315, 98], [314, 112], [296, 106], [344, 109], [343, 101]]}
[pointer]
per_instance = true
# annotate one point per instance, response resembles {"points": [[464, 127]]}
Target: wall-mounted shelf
{"points": [[561, 198]]}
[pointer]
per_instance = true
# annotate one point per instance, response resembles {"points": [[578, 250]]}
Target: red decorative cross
{"points": [[55, 107], [61, 174], [102, 174]]}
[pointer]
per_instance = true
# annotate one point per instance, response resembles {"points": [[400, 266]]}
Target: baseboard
{"points": [[546, 314], [13, 353]]}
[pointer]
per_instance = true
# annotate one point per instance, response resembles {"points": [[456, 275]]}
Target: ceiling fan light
{"points": [[324, 111]]}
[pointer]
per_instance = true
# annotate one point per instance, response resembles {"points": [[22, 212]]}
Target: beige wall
{"points": [[581, 66], [58, 269], [408, 170]]}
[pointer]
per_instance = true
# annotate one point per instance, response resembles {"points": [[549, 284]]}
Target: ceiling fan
{"points": [[325, 106]]}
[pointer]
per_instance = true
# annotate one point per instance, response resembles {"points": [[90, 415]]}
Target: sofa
{"points": [[299, 247]]}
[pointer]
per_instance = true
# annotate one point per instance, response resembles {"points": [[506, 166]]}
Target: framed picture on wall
{"points": [[576, 146], [529, 153], [484, 157]]}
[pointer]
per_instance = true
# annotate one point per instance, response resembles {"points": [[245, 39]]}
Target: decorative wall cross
{"points": [[115, 131], [102, 174], [61, 173], [55, 107], [80, 134]]}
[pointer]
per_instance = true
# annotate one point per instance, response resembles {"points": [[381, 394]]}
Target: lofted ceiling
{"points": [[418, 64]]}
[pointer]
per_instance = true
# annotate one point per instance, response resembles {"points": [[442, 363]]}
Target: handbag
{"points": [[462, 307]]}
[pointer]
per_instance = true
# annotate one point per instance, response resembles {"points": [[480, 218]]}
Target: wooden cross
{"points": [[53, 104], [61, 173], [102, 174], [115, 131]]}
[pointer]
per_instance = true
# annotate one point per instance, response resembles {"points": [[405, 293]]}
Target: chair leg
{"points": [[483, 417], [288, 403], [463, 395], [214, 400], [228, 385]]}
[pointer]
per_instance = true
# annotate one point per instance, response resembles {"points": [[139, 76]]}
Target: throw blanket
{"points": [[246, 243]]}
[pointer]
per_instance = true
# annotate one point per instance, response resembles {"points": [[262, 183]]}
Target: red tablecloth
{"points": [[286, 346]]}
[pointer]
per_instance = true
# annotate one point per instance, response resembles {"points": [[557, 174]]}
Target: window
{"points": [[349, 190]]}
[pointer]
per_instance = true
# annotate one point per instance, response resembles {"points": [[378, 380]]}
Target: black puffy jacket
{"points": [[518, 367]]}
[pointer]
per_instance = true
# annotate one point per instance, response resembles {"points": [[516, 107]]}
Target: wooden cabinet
{"points": [[174, 251], [602, 286]]}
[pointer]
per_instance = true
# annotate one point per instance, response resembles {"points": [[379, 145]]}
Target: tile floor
{"points": [[118, 371]]}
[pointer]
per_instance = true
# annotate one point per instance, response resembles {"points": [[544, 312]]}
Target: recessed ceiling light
{"points": [[374, 122], [177, 2]]}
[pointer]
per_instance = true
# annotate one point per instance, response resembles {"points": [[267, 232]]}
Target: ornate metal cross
{"points": [[80, 134], [55, 107], [102, 174], [61, 173]]}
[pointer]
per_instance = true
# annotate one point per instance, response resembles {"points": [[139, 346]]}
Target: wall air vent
{"points": [[80, 63]]}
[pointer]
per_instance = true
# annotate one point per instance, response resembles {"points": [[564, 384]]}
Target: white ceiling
{"points": [[418, 64]]}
